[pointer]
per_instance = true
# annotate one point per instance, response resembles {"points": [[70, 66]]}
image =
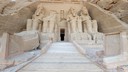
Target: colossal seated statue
{"points": [[94, 26], [52, 23], [45, 25], [98, 37], [36, 22], [86, 18], [72, 18], [40, 12], [42, 21], [73, 24], [49, 22], [84, 26], [79, 24], [84, 13]]}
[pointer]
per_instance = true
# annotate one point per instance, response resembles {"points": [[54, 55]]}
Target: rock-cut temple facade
{"points": [[63, 35]]}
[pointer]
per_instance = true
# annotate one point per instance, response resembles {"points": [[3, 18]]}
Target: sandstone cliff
{"points": [[117, 7], [14, 15]]}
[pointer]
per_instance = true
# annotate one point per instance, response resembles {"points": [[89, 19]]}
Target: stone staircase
{"points": [[61, 57]]}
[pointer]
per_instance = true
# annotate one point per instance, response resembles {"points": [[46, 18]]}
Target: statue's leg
{"points": [[45, 26], [89, 26], [95, 26], [29, 25], [35, 24], [73, 26], [51, 24], [80, 26]]}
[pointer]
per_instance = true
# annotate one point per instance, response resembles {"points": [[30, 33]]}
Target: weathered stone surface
{"points": [[108, 23], [4, 46], [20, 8], [3, 4], [117, 7], [29, 40], [112, 45], [18, 43], [62, 20], [15, 21]]}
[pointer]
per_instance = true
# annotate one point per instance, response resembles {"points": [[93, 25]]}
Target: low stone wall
{"points": [[107, 21], [30, 40], [115, 61], [116, 43], [15, 45], [112, 44], [18, 43], [116, 51]]}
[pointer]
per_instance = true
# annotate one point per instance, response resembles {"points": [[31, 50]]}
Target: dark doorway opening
{"points": [[62, 34]]}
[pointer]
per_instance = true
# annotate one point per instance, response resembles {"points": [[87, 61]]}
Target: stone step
{"points": [[61, 66], [61, 57], [61, 60], [64, 55], [61, 70]]}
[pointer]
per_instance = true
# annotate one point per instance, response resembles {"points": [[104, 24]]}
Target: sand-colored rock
{"points": [[99, 29]]}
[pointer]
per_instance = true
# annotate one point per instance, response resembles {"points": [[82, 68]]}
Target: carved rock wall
{"points": [[3, 3], [15, 16], [108, 23], [118, 7], [15, 21]]}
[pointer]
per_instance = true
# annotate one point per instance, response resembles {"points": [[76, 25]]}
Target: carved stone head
{"points": [[84, 11], [72, 11]]}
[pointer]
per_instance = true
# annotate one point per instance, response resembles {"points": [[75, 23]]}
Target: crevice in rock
{"points": [[2, 11], [110, 5], [9, 5]]}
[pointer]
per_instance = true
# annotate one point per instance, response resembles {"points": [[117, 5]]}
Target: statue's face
{"points": [[84, 11], [72, 11]]}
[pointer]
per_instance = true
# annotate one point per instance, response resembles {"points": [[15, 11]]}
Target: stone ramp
{"points": [[61, 57]]}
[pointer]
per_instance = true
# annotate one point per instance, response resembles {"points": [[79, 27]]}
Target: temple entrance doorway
{"points": [[62, 34], [62, 31]]}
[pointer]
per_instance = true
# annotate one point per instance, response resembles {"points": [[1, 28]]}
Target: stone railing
{"points": [[79, 48], [46, 47], [94, 53]]}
